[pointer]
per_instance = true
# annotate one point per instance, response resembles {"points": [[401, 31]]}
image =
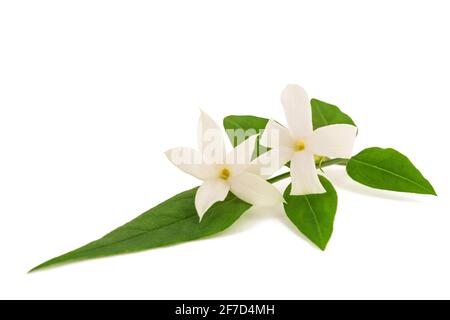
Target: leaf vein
{"points": [[144, 231], [391, 172], [316, 221], [322, 116]]}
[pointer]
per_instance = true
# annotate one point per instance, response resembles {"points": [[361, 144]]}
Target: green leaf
{"points": [[239, 128], [387, 169], [325, 114], [313, 214], [171, 222]]}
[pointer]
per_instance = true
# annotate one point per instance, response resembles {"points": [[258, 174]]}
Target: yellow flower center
{"points": [[224, 174], [299, 145]]}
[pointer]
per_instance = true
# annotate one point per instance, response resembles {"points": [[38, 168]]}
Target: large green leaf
{"points": [[171, 222], [325, 114], [313, 214], [387, 169]]}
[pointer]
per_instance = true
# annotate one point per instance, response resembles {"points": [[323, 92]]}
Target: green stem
{"points": [[337, 161]]}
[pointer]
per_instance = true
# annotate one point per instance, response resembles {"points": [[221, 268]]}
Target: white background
{"points": [[93, 92]]}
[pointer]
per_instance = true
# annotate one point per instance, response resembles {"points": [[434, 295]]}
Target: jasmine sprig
{"points": [[310, 201]]}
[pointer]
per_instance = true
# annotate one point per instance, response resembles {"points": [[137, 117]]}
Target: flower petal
{"points": [[210, 192], [255, 190], [297, 108], [334, 141], [210, 140], [270, 162], [191, 162], [276, 135], [304, 175]]}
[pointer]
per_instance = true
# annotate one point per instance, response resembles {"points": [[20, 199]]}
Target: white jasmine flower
{"points": [[223, 172], [299, 142]]}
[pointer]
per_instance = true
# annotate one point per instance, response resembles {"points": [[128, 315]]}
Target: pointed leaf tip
{"points": [[171, 222], [314, 214], [388, 169]]}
